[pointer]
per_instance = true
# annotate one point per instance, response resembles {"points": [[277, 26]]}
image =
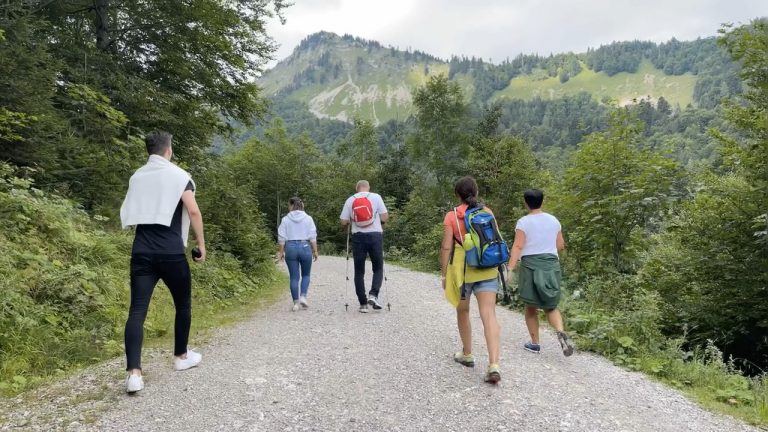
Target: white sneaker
{"points": [[373, 301], [134, 383], [193, 359], [295, 307], [303, 302]]}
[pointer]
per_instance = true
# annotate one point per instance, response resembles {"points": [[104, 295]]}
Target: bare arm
{"points": [[384, 217], [517, 249], [560, 241], [196, 221], [445, 251], [346, 214]]}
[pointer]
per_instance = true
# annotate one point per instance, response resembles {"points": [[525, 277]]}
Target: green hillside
{"points": [[647, 83], [340, 77], [343, 77]]}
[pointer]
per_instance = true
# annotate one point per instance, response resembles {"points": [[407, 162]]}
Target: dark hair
{"points": [[534, 198], [466, 189], [157, 142], [296, 203]]}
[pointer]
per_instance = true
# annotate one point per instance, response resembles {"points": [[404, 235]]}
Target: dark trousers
{"points": [[146, 270], [363, 245]]}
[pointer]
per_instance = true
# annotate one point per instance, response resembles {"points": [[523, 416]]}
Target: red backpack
{"points": [[362, 211]]}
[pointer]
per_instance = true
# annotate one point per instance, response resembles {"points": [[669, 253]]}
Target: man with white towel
{"points": [[161, 204]]}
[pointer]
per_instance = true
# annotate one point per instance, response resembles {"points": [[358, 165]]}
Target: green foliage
{"points": [[83, 69], [12, 121], [504, 168], [612, 316], [426, 247], [710, 268], [395, 175], [562, 122], [613, 192], [747, 153], [230, 206], [326, 133], [419, 216], [361, 148], [441, 144], [64, 286], [712, 262]]}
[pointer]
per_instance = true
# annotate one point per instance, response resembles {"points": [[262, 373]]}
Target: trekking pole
{"points": [[384, 270], [346, 291]]}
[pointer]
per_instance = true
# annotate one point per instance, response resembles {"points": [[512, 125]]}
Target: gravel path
{"points": [[325, 369]]}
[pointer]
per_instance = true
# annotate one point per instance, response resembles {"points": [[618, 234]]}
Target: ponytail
{"points": [[466, 189], [471, 201]]}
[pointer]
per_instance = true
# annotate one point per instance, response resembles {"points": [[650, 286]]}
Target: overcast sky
{"points": [[497, 29]]}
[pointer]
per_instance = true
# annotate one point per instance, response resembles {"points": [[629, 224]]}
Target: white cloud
{"points": [[497, 29]]}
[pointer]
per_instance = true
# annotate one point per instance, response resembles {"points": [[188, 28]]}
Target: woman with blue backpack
{"points": [[461, 276]]}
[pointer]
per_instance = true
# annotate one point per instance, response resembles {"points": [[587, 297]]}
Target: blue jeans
{"points": [[298, 257]]}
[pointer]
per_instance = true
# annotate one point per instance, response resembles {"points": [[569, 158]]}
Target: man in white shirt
{"points": [[538, 239], [366, 212]]}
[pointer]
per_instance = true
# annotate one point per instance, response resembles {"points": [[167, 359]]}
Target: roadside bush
{"points": [[64, 286]]}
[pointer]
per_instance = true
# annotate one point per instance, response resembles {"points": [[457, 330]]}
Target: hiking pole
{"points": [[384, 270], [346, 291]]}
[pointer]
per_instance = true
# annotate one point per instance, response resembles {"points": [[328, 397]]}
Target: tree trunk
{"points": [[102, 24]]}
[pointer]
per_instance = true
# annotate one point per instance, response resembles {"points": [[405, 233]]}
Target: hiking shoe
{"points": [[566, 343], [134, 383], [467, 360], [493, 375], [295, 306], [363, 308], [303, 302], [532, 347], [193, 359], [373, 301]]}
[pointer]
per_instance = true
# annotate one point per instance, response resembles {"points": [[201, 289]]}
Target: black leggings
{"points": [[146, 270]]}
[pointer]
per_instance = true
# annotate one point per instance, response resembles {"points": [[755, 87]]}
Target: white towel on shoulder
{"points": [[154, 192]]}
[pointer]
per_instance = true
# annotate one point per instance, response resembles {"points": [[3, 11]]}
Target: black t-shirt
{"points": [[160, 239]]}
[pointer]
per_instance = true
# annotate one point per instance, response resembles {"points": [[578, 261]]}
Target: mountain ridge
{"points": [[343, 77]]}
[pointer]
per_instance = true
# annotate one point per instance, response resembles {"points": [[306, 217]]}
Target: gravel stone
{"points": [[327, 369]]}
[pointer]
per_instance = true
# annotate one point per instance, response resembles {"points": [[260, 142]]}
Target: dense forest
{"points": [[664, 207]]}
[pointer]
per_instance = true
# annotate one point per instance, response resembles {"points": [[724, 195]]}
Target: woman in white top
{"points": [[538, 239], [297, 236]]}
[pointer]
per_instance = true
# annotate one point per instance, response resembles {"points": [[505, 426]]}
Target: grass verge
{"points": [[79, 395]]}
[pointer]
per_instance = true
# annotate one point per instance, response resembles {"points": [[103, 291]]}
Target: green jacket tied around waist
{"points": [[539, 280]]}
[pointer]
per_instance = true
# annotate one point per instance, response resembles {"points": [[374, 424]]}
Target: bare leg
{"points": [[555, 319], [532, 322], [487, 303], [465, 328]]}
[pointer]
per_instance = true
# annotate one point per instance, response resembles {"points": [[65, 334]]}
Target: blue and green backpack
{"points": [[487, 249]]}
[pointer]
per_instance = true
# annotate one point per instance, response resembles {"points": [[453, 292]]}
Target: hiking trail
{"points": [[325, 369]]}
